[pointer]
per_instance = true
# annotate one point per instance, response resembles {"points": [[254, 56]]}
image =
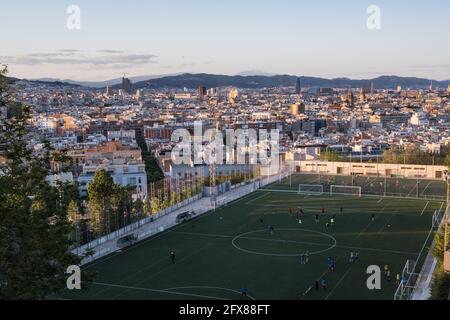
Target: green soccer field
{"points": [[372, 185], [219, 253]]}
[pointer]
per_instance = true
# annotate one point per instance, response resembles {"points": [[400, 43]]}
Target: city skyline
{"points": [[323, 39]]}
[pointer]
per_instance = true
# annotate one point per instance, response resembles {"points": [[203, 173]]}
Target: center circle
{"points": [[245, 236]]}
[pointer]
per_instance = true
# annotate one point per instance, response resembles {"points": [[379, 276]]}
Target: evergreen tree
{"points": [[100, 194], [73, 214], [34, 232]]}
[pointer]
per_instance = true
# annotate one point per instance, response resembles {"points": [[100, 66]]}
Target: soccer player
{"points": [[172, 257], [323, 210], [398, 279], [356, 256], [271, 229], [332, 221], [290, 212], [352, 257], [317, 218], [317, 285], [388, 275], [330, 263], [243, 293], [261, 221], [324, 284], [342, 210], [302, 259], [306, 257], [373, 217], [386, 269], [327, 225]]}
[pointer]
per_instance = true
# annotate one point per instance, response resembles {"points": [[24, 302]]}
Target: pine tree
{"points": [[100, 193], [73, 214], [34, 233]]}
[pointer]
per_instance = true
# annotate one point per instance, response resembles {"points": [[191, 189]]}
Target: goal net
{"points": [[310, 189], [408, 282], [346, 190]]}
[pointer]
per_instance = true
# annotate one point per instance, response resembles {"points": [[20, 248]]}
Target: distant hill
{"points": [[193, 81], [56, 83], [103, 84], [255, 73]]}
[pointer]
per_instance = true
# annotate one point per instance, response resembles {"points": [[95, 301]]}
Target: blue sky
{"points": [[317, 38]]}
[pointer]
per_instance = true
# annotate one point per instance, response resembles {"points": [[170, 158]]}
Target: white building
{"points": [[64, 177], [118, 135], [130, 174], [419, 119]]}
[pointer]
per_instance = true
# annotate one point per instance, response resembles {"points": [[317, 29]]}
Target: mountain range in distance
{"points": [[103, 84], [254, 80]]}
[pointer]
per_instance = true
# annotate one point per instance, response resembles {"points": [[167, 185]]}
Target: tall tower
{"points": [[126, 85], [201, 93], [362, 96], [298, 86], [350, 98]]}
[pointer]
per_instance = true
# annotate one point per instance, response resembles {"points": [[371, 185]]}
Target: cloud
{"points": [[108, 59], [69, 50], [110, 51]]}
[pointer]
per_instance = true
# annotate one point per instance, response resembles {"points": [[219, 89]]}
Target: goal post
{"points": [[408, 281], [310, 189], [346, 190]]}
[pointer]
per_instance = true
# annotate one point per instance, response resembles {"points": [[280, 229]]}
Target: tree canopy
{"points": [[34, 229]]}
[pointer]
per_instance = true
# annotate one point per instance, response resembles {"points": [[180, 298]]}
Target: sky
{"points": [[325, 38]]}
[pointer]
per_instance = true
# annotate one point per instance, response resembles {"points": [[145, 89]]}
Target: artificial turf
{"points": [[221, 252]]}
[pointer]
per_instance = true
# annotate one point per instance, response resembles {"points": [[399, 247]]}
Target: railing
{"points": [[132, 227]]}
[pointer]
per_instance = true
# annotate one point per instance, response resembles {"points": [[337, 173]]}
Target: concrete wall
{"points": [[372, 169]]}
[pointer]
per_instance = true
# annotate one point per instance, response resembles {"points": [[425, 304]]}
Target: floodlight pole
{"points": [[418, 185]]}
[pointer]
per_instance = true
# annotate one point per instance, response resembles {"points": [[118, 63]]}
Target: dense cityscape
{"points": [[210, 186]]}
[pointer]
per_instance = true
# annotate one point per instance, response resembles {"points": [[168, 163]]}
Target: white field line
{"points": [[339, 282], [155, 290], [298, 242], [164, 269], [370, 223], [257, 198], [425, 208], [440, 209]]}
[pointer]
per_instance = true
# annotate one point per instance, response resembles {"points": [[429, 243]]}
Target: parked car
{"points": [[183, 217]]}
